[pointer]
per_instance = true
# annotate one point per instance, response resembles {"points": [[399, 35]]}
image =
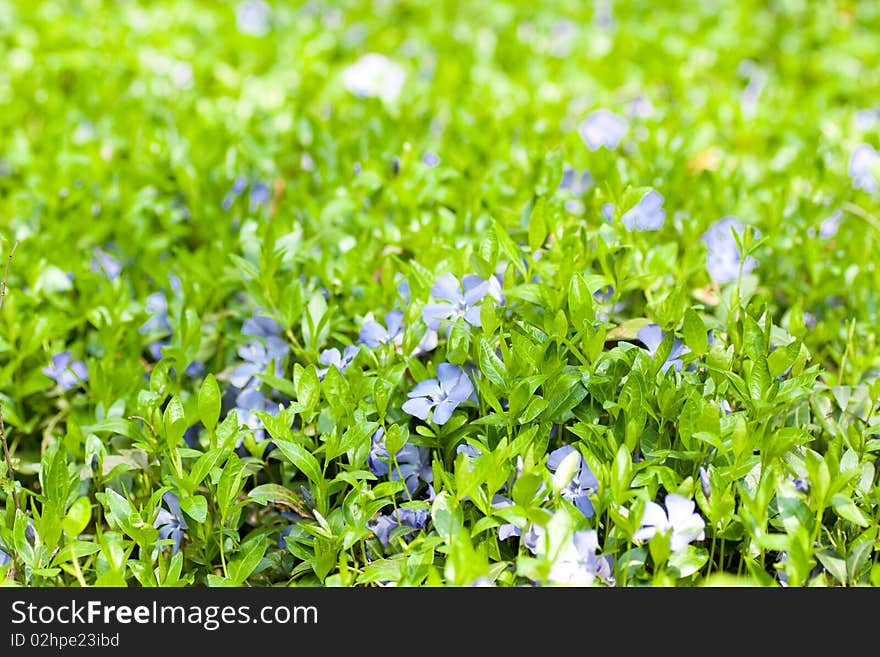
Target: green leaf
{"points": [[78, 517], [846, 508], [247, 559], [174, 421], [277, 494], [196, 507], [302, 459], [491, 365], [209, 402], [695, 333]]}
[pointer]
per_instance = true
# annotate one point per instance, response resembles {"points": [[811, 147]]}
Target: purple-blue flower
{"points": [[68, 373], [171, 523], [507, 529], [333, 358], [647, 214], [829, 227], [723, 257], [383, 525], [678, 518], [373, 334], [651, 336], [103, 262], [582, 484], [864, 161], [413, 462], [258, 195], [4, 558], [460, 299], [256, 354], [443, 394], [576, 183], [252, 17], [157, 307], [576, 563], [247, 402], [603, 128]]}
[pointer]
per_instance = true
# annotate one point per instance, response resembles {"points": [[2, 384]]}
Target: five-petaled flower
{"points": [[647, 214], [678, 518], [67, 372], [460, 299], [723, 257], [258, 355], [582, 484], [104, 263], [864, 163], [333, 358], [412, 463], [603, 128], [171, 523], [576, 564], [651, 336], [383, 525], [246, 402], [373, 334], [443, 394]]}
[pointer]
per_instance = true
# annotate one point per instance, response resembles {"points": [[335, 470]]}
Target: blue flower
{"points": [[238, 186], [373, 334], [256, 355], [723, 257], [68, 373], [5, 559], [383, 525], [462, 299], [603, 128], [157, 307], [830, 226], [705, 484], [575, 183], [104, 263], [430, 160], [259, 195], [443, 394], [651, 336], [802, 485], [332, 357], [864, 161], [413, 462], [576, 564], [507, 529], [171, 524], [678, 518], [248, 401], [582, 484], [252, 17], [647, 214]]}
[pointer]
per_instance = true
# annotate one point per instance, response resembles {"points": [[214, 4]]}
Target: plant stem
{"points": [[2, 425]]}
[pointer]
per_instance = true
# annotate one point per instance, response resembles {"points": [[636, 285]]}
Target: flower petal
{"points": [[418, 407], [447, 288]]}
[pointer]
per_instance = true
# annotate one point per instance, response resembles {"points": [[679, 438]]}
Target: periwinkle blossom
{"points": [[582, 484], [678, 518], [603, 128], [413, 462], [334, 358], [5, 559], [258, 195], [238, 186], [652, 336], [157, 307], [576, 563], [705, 484], [105, 264], [171, 523], [384, 524], [374, 335], [252, 17], [258, 354], [575, 183], [507, 529], [829, 227], [802, 485], [247, 402], [864, 161], [647, 214], [442, 394], [374, 75], [723, 257], [68, 373], [459, 299], [430, 160]]}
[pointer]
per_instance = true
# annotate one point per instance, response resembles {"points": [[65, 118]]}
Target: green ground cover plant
{"points": [[411, 293]]}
